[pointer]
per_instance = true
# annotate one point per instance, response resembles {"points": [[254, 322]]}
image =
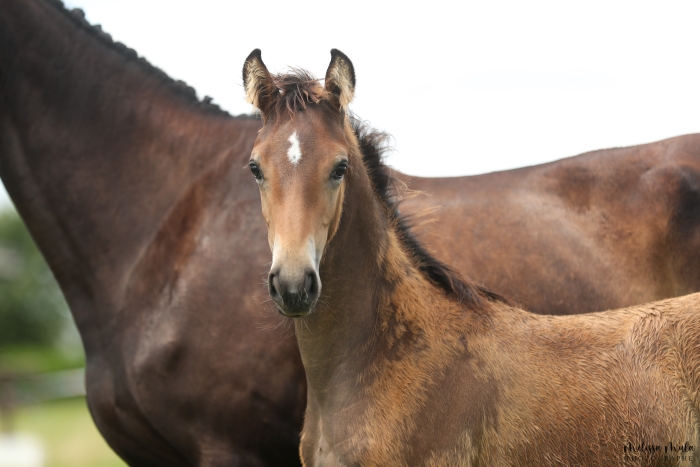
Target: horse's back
{"points": [[602, 230]]}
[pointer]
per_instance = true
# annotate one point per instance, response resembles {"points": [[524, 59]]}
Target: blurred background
{"points": [[464, 87], [44, 420]]}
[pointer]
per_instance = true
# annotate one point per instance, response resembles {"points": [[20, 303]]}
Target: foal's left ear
{"points": [[340, 79]]}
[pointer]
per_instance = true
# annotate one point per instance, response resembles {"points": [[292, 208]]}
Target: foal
{"points": [[407, 363]]}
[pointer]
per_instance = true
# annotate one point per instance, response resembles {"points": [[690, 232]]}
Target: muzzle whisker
{"points": [[303, 319]]}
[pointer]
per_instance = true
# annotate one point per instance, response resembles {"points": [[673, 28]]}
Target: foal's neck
{"points": [[381, 336], [376, 305]]}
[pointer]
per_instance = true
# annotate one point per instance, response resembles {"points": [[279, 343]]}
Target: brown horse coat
{"points": [[601, 230], [408, 364], [134, 192]]}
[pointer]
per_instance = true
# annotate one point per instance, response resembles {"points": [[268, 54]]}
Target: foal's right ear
{"points": [[257, 81]]}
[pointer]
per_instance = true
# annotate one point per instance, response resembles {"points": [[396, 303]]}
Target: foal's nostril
{"points": [[273, 284], [308, 284], [311, 284]]}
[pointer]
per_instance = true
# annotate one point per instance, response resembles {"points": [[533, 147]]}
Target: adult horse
{"points": [[408, 364], [134, 192], [602, 230]]}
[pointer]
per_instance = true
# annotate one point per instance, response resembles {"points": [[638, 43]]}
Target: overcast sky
{"points": [[464, 88]]}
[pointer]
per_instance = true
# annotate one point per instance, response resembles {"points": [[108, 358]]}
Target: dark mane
{"points": [[77, 16], [374, 145]]}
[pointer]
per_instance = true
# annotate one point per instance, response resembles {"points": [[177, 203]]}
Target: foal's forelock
{"points": [[292, 92], [295, 90]]}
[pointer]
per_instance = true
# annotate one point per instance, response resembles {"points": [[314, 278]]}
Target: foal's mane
{"points": [[77, 16], [294, 92], [374, 145]]}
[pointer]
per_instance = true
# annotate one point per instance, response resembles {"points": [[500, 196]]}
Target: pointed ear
{"points": [[257, 81], [340, 79]]}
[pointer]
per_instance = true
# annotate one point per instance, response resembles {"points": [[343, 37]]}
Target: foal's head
{"points": [[299, 161]]}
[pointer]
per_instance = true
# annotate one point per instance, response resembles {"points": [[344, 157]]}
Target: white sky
{"points": [[465, 88]]}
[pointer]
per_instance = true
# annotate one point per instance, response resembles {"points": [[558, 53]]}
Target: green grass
{"points": [[68, 433], [64, 426], [31, 359]]}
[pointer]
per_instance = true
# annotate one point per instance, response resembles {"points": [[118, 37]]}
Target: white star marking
{"points": [[294, 151]]}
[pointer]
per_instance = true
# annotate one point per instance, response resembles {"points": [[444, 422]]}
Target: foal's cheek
{"points": [[332, 219], [271, 239], [266, 218]]}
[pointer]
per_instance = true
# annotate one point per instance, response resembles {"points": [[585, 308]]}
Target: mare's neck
{"points": [[98, 151]]}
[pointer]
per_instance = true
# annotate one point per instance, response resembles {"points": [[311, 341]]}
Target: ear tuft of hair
{"points": [[340, 79], [257, 81]]}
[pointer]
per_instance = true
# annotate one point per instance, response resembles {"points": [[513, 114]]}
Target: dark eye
{"points": [[339, 171], [256, 170]]}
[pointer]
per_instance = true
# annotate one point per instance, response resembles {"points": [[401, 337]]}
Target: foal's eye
{"points": [[256, 171], [339, 171]]}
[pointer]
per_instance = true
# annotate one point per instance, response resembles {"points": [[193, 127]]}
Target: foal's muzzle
{"points": [[295, 295]]}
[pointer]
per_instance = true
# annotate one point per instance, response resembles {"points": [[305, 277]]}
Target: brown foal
{"points": [[407, 363]]}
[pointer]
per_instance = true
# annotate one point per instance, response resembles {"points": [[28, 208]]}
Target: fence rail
{"points": [[32, 389]]}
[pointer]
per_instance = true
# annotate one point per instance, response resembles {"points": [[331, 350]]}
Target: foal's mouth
{"points": [[296, 305], [295, 313]]}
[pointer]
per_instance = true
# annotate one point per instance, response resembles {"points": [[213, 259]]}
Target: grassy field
{"points": [[32, 359], [64, 426], [37, 337], [68, 434]]}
